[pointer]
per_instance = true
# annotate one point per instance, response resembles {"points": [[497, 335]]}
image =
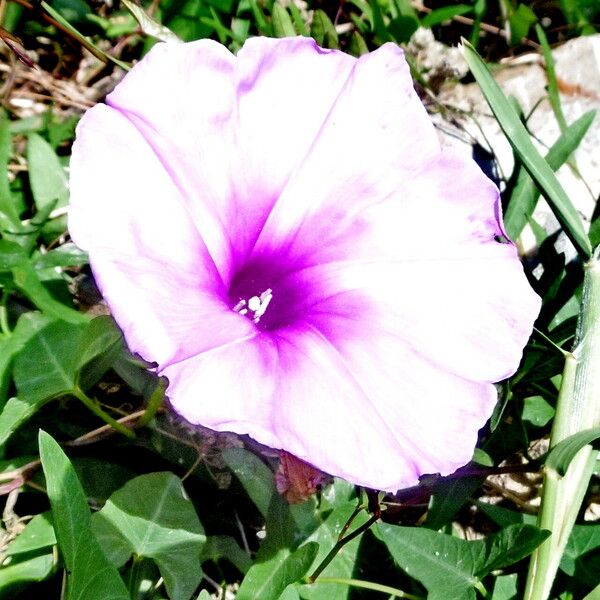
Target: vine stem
{"points": [[342, 541], [92, 406], [4, 326], [577, 409], [135, 576], [155, 402]]}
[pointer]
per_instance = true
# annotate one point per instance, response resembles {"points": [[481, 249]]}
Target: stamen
{"points": [[238, 307], [257, 305]]}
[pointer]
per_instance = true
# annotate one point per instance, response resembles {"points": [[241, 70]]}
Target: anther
{"points": [[257, 305]]}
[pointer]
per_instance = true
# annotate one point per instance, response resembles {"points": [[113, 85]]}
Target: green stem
{"points": [[134, 577], [93, 407], [369, 585], [4, 326], [154, 403], [577, 409], [339, 545]]}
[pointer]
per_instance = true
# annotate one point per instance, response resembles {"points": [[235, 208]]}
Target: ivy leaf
{"points": [[47, 365], [37, 535], [56, 359], [27, 326], [267, 580], [580, 558], [442, 562], [152, 517], [26, 570], [255, 477]]}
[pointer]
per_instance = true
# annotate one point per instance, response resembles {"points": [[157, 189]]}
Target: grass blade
{"points": [[532, 160], [524, 197]]}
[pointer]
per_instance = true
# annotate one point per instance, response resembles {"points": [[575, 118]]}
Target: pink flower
{"points": [[280, 231]]}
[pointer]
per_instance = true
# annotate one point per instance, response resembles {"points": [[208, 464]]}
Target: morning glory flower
{"points": [[282, 234]]}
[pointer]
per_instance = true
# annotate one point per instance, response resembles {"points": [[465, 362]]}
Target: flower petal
{"points": [[231, 388], [181, 100], [149, 260], [247, 124], [357, 416], [375, 140], [449, 311], [379, 414]]}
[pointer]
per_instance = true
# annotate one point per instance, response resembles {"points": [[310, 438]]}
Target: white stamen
{"points": [[257, 305], [238, 307], [254, 303]]}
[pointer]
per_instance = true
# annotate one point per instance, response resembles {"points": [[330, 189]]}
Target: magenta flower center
{"points": [[264, 292]]}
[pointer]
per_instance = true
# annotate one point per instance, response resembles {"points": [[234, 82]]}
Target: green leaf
{"points": [[442, 562], [47, 366], [27, 326], [553, 93], [13, 415], [342, 566], [219, 547], [594, 594], [379, 27], [27, 570], [27, 280], [559, 458], [357, 46], [263, 27], [9, 216], [323, 31], [521, 21], [47, 176], [11, 255], [402, 28], [448, 497], [53, 359], [256, 478], [282, 22], [152, 517], [583, 539], [90, 575], [525, 194], [99, 347], [290, 593], [446, 13], [505, 587], [149, 25], [537, 411], [298, 20], [37, 535], [267, 580], [67, 255], [97, 52], [504, 516], [509, 546], [521, 143]]}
